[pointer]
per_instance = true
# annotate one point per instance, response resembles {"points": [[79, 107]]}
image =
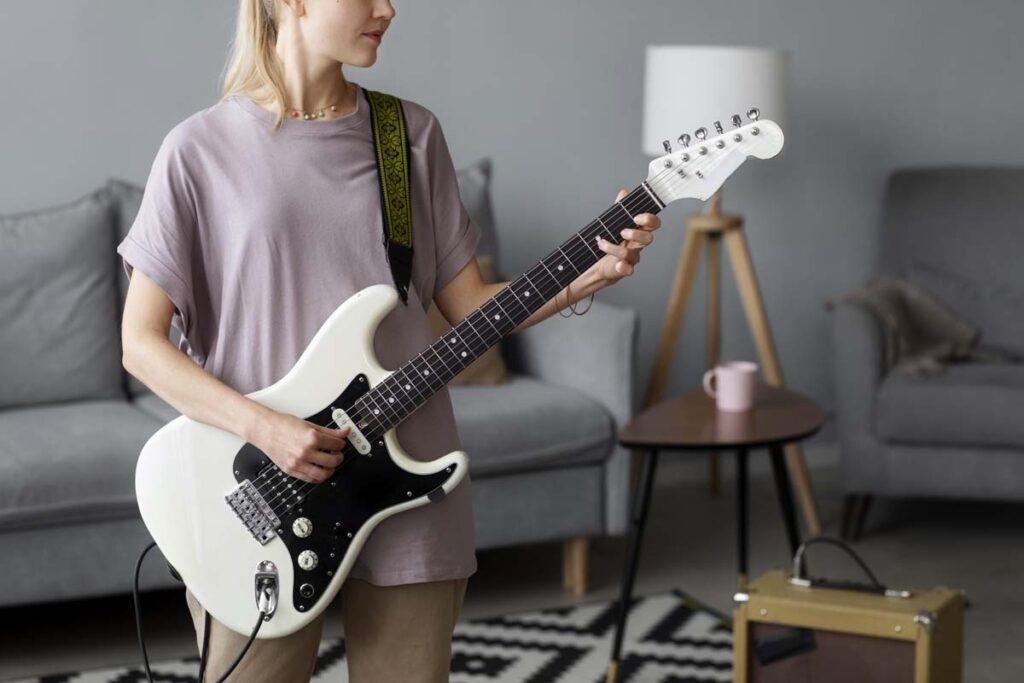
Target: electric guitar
{"points": [[239, 531]]}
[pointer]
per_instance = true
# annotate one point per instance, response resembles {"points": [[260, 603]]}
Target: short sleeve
{"points": [[160, 241], [456, 236]]}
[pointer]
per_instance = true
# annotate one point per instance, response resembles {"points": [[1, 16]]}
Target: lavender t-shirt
{"points": [[257, 236]]}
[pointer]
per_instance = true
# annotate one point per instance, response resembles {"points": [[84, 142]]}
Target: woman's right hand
{"points": [[302, 449]]}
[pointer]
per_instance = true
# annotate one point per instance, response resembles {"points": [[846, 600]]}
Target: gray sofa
{"points": [[958, 233], [544, 462]]}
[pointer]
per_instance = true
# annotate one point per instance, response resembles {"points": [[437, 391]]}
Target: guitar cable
{"points": [[263, 611]]}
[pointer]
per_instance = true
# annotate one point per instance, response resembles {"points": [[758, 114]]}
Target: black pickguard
{"points": [[362, 486]]}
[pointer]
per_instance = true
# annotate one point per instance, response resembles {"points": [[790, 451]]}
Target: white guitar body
{"points": [[185, 472], [227, 518]]}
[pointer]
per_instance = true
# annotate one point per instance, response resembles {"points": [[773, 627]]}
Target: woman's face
{"points": [[338, 29]]}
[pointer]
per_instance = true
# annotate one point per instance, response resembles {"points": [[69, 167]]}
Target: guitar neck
{"points": [[409, 387]]}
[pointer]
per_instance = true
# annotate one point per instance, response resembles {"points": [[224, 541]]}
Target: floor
{"points": [[690, 544]]}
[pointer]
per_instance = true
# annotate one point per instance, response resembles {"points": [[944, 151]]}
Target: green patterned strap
{"points": [[390, 139]]}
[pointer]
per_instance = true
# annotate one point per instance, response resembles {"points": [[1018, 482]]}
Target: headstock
{"points": [[701, 165]]}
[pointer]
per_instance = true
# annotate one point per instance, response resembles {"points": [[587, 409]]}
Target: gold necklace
{"points": [[315, 113]]}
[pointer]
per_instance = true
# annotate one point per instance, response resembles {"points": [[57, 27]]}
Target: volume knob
{"points": [[308, 560], [302, 527]]}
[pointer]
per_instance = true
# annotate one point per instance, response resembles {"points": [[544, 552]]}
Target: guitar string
{"points": [[373, 422], [305, 487]]}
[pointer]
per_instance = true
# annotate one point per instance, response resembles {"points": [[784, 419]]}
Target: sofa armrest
{"points": [[594, 353], [858, 345]]}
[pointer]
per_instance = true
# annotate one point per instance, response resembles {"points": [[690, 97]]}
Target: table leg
{"points": [[785, 493], [640, 505], [742, 494]]}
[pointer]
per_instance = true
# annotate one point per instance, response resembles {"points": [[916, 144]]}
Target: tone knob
{"points": [[306, 590], [308, 560], [302, 527]]}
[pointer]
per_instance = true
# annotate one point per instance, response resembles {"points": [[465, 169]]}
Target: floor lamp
{"points": [[733, 80]]}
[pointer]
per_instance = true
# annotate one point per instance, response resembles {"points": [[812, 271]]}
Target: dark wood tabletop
{"points": [[691, 421]]}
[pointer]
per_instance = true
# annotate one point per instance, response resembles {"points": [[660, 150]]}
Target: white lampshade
{"points": [[689, 87]]}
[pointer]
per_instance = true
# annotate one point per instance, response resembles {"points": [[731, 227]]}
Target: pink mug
{"points": [[735, 384]]}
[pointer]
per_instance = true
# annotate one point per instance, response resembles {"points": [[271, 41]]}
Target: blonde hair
{"points": [[253, 67]]}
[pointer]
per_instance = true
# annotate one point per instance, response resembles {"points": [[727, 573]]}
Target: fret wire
{"points": [[569, 260], [468, 323], [465, 346], [426, 374], [504, 313], [388, 405], [437, 353], [487, 317], [593, 250], [512, 293], [629, 217], [537, 283], [610, 234]]}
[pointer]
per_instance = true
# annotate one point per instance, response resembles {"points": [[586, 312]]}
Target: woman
{"points": [[261, 214]]}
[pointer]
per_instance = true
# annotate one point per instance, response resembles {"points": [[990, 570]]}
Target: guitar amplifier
{"points": [[796, 633]]}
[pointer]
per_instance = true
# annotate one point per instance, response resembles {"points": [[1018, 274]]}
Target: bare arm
{"points": [[467, 291], [301, 448]]}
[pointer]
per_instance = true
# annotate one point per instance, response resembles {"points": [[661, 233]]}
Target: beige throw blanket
{"points": [[922, 335]]}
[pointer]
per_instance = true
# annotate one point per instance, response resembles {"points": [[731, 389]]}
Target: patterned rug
{"points": [[671, 638]]}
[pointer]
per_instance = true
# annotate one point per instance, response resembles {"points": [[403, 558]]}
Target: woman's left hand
{"points": [[620, 259]]}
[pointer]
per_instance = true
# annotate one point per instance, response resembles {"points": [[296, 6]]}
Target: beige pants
{"points": [[392, 633]]}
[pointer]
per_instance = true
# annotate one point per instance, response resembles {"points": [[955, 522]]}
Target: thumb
{"points": [[622, 193]]}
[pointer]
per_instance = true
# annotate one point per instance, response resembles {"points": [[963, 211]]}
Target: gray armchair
{"points": [[957, 233]]}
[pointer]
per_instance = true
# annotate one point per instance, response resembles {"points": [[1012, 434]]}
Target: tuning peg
{"points": [[718, 127], [736, 120], [754, 114], [667, 145], [684, 140], [701, 133]]}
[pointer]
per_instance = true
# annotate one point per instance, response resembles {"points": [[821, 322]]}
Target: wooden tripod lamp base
{"points": [[707, 232]]}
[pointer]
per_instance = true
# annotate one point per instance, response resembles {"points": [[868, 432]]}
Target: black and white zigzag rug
{"points": [[670, 638]]}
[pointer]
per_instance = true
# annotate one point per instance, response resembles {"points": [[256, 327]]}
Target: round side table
{"points": [[691, 422]]}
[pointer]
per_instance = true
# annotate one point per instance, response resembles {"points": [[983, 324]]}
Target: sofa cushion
{"points": [[70, 462], [971, 404], [58, 303], [525, 424]]}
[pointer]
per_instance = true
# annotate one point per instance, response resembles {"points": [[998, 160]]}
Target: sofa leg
{"points": [[855, 514], [574, 565]]}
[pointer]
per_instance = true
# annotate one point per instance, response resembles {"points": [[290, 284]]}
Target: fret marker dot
{"points": [[559, 266], [463, 354], [391, 399], [408, 387], [376, 411], [426, 372], [497, 316], [453, 340], [526, 293]]}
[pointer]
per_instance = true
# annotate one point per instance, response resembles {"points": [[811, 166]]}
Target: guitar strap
{"points": [[391, 142]]}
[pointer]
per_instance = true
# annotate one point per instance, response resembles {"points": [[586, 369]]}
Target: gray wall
{"points": [[552, 91]]}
